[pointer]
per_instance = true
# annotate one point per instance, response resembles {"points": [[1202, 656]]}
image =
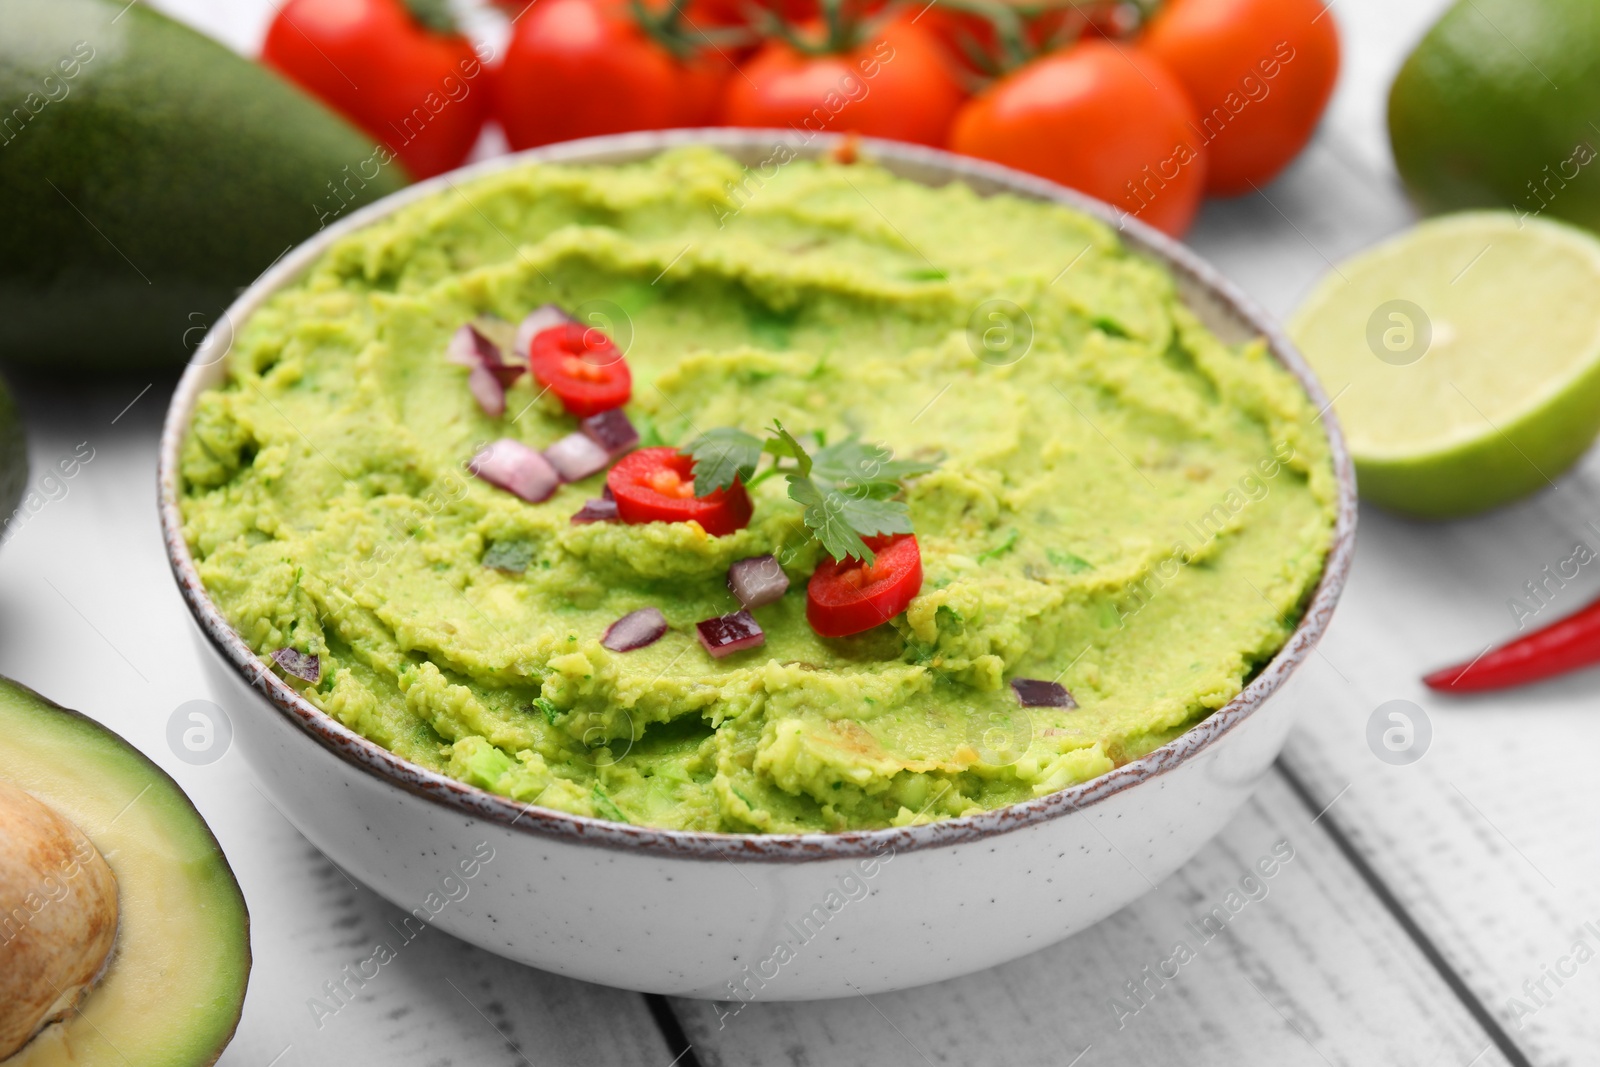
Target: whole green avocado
{"points": [[13, 458], [148, 173], [1496, 108]]}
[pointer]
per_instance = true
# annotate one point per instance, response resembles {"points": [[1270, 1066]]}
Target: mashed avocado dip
{"points": [[1124, 503]]}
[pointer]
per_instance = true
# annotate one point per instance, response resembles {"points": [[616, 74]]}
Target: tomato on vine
{"points": [[724, 13], [396, 68], [1099, 117], [1259, 73], [893, 80], [976, 31], [579, 68]]}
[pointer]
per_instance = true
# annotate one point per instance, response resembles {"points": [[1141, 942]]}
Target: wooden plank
{"points": [[1309, 970], [1488, 838], [437, 1000]]}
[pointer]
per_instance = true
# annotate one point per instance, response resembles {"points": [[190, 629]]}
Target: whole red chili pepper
{"points": [[1565, 645]]}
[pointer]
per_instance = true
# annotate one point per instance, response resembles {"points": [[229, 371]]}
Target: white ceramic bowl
{"points": [[742, 917]]}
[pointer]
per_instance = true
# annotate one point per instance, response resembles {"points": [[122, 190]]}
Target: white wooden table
{"points": [[1421, 899]]}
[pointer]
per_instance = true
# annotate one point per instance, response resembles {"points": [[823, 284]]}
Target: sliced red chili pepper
{"points": [[582, 366], [848, 596], [657, 485], [1564, 645]]}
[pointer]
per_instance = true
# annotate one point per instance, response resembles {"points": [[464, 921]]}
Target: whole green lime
{"points": [[1498, 106]]}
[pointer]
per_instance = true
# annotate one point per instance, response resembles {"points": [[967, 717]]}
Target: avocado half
{"points": [[148, 973]]}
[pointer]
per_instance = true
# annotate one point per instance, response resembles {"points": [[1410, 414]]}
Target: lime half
{"points": [[1463, 357]]}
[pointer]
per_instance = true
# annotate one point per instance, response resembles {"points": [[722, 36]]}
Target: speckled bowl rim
{"points": [[469, 801]]}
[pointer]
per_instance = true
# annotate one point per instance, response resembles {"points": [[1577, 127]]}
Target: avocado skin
{"points": [[144, 192], [13, 457]]}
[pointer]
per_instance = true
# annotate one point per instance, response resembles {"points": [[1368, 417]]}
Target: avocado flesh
{"points": [[172, 992], [149, 186]]}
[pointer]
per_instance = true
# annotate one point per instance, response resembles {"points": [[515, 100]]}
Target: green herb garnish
{"points": [[1074, 563], [847, 488], [512, 557], [606, 806], [649, 433], [1002, 548], [550, 711]]}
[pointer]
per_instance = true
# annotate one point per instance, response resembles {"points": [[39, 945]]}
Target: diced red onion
{"points": [[635, 630], [470, 348], [496, 329], [1034, 693], [491, 374], [600, 509], [505, 373], [757, 581], [727, 634], [611, 430], [516, 468], [576, 457], [487, 391], [537, 321], [303, 665]]}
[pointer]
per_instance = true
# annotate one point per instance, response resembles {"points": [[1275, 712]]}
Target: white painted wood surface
{"points": [[1314, 971], [1485, 846]]}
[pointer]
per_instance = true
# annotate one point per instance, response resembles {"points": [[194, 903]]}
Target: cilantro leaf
{"points": [[722, 455], [852, 461], [823, 515], [783, 444], [847, 490], [870, 517], [841, 518]]}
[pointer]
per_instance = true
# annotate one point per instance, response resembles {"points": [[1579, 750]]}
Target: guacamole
{"points": [[1122, 502]]}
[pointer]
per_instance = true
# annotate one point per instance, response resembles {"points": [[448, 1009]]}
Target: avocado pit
{"points": [[58, 916]]}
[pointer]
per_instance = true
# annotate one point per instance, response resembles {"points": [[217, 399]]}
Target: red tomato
{"points": [[901, 85], [582, 367], [847, 596], [1101, 118], [578, 68], [700, 89], [421, 93], [1259, 73], [657, 485]]}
